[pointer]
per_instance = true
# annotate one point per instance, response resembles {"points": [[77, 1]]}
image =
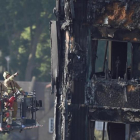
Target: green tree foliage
{"points": [[24, 36]]}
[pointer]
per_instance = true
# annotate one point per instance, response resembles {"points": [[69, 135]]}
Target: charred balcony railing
{"points": [[114, 100], [114, 93]]}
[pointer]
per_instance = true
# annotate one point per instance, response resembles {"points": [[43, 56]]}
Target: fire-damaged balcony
{"points": [[114, 94], [114, 100]]}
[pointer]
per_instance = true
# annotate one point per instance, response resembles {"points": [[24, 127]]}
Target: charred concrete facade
{"points": [[83, 95]]}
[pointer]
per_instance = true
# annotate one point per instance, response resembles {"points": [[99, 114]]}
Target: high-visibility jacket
{"points": [[12, 86], [3, 89]]}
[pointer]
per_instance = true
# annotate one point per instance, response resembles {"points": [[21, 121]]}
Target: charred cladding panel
{"points": [[116, 20], [124, 15]]}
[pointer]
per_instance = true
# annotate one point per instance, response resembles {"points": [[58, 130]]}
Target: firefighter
{"points": [[12, 87]]}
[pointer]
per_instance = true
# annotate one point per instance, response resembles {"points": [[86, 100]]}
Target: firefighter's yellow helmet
{"points": [[5, 74]]}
